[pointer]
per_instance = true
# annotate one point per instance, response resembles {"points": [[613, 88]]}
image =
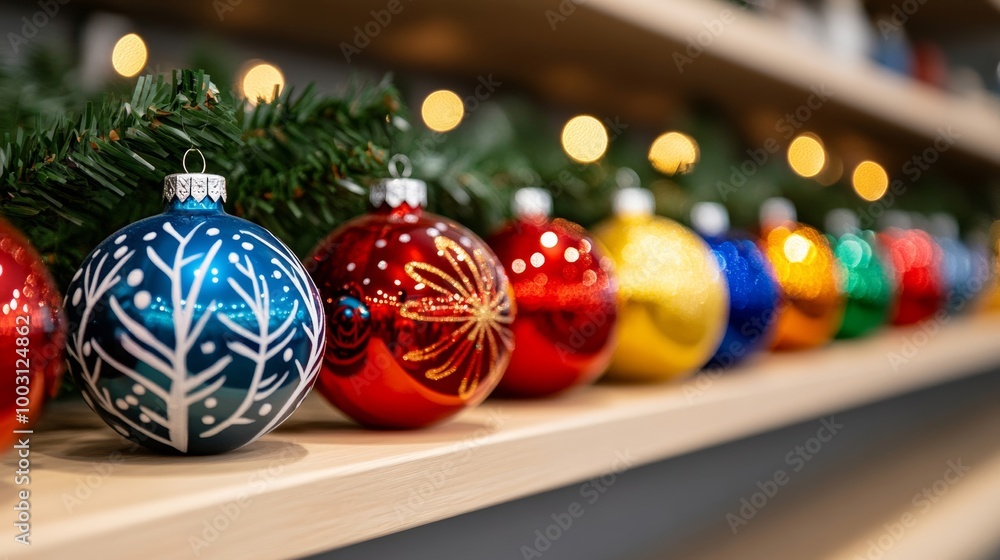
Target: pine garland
{"points": [[293, 165]]}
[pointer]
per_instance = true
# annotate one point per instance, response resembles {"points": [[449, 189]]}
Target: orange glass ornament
{"points": [[811, 305]]}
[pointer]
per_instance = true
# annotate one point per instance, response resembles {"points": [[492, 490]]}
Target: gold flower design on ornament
{"points": [[469, 295]]}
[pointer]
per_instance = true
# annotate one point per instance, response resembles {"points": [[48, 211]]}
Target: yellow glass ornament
{"points": [[675, 302], [811, 305]]}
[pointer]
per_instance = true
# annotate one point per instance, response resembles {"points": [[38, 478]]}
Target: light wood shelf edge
{"points": [[318, 483]]}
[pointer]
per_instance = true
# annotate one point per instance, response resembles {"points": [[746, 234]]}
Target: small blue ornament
{"points": [[753, 288], [753, 296], [193, 331], [964, 272]]}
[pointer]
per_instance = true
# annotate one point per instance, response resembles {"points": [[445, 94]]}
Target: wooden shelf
{"points": [[615, 58], [319, 483]]}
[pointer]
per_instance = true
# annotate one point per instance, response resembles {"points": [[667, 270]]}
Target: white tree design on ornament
{"points": [[181, 388]]}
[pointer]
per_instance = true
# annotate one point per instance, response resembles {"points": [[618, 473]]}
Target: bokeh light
{"points": [[129, 55], [806, 155], [260, 80], [796, 248], [442, 110], [673, 153], [584, 139], [870, 180]]}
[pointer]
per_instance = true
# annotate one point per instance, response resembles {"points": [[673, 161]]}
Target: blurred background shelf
{"points": [[955, 459], [617, 58], [319, 483]]}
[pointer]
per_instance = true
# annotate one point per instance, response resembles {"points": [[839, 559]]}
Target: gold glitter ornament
{"points": [[675, 302]]}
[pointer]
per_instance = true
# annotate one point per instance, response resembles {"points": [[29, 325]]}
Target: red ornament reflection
{"points": [[31, 335], [916, 261], [566, 294], [418, 314]]}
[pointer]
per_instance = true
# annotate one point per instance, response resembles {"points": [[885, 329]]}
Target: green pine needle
{"points": [[70, 181]]}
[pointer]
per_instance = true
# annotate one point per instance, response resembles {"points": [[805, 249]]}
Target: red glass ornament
{"points": [[916, 259], [418, 313], [31, 335], [566, 294]]}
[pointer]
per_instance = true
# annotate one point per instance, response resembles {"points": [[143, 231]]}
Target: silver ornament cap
{"points": [[777, 211], [197, 186], [633, 201], [531, 202], [400, 187], [841, 221], [710, 218]]}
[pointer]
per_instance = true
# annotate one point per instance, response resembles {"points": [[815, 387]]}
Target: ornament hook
{"points": [[204, 164], [394, 162]]}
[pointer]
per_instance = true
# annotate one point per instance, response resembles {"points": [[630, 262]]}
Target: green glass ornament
{"points": [[865, 280]]}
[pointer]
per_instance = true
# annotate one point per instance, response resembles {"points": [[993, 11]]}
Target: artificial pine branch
{"points": [[292, 165]]}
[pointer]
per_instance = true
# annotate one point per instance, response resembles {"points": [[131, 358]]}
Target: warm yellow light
{"points": [[584, 139], [259, 82], [796, 248], [806, 155], [673, 153], [129, 55], [870, 180], [442, 110]]}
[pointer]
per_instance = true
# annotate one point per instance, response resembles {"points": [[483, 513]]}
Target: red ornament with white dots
{"points": [[566, 294], [418, 313]]}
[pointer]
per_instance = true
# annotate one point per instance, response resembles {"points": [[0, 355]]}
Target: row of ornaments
{"points": [[197, 332]]}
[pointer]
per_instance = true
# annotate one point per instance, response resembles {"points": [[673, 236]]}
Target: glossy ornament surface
{"points": [[811, 305], [753, 299], [866, 283], [567, 308], [916, 260], [676, 303], [31, 335], [193, 331], [989, 301], [418, 309], [753, 290], [965, 272]]}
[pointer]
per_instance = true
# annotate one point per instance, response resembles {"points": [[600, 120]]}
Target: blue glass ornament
{"points": [[963, 271], [193, 331], [753, 297]]}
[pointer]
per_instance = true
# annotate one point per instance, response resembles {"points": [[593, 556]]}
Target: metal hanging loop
{"points": [[394, 163], [204, 164]]}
